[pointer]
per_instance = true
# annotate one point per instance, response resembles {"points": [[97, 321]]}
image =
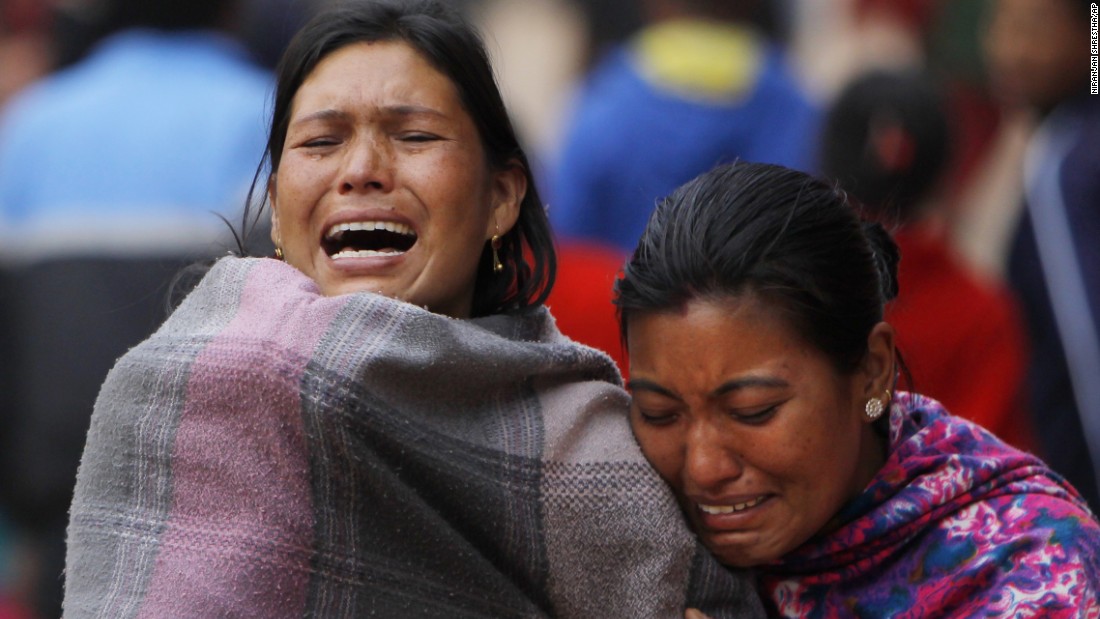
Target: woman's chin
{"points": [[346, 274], [746, 549]]}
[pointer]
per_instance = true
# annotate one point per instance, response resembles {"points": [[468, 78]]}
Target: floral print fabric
{"points": [[956, 524]]}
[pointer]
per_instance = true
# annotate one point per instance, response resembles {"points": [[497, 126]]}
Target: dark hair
{"points": [[454, 48], [792, 240], [766, 15], [885, 141], [167, 14]]}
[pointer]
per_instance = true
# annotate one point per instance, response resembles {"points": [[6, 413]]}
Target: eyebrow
{"points": [[647, 385], [394, 110], [765, 382], [736, 384]]}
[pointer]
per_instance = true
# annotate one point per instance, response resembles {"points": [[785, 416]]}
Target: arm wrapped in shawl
{"points": [[273, 452]]}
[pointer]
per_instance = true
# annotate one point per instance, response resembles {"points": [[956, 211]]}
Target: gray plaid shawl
{"points": [[271, 452]]}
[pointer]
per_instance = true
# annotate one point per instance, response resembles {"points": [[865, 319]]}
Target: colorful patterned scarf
{"points": [[271, 452], [956, 524]]}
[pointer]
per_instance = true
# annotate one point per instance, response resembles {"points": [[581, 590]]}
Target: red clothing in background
{"points": [[582, 295], [961, 337]]}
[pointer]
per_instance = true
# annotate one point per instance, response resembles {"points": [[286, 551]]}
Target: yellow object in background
{"points": [[700, 59]]}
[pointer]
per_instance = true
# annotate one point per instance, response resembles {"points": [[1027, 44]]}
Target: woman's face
{"points": [[761, 439], [383, 185]]}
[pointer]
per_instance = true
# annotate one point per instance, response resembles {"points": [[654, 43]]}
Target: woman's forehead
{"points": [[378, 69]]}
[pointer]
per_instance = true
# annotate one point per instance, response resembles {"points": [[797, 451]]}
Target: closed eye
{"points": [[320, 142], [656, 418], [419, 137], [757, 417]]}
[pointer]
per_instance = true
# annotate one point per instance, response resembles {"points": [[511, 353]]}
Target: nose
{"points": [[368, 165], [710, 460]]}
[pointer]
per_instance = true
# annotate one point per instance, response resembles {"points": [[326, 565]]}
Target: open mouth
{"points": [[718, 510], [366, 239]]}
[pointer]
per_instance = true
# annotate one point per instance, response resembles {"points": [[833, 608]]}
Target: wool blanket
{"points": [[956, 524], [271, 452]]}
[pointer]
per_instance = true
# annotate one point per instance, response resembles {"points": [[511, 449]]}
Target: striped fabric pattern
{"points": [[271, 452]]}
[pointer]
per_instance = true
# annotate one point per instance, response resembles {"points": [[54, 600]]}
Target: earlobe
{"points": [[276, 236], [876, 374]]}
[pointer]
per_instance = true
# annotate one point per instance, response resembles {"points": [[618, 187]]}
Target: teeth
{"points": [[729, 509], [368, 226], [365, 253]]}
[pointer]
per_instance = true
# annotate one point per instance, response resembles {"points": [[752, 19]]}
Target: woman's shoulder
{"points": [[265, 307], [1010, 533]]}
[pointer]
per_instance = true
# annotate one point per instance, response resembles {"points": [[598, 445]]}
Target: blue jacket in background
{"points": [[153, 130], [634, 137], [1054, 266]]}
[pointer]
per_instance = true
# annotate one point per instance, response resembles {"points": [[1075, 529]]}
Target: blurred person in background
{"points": [[838, 40], [159, 122], [266, 26], [675, 86], [24, 57], [700, 84], [885, 141], [113, 172], [1038, 60], [24, 44]]}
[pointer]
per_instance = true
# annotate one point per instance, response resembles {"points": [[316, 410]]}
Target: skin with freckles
{"points": [[739, 415], [377, 134]]}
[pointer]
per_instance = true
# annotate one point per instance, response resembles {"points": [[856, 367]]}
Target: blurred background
{"points": [[129, 130]]}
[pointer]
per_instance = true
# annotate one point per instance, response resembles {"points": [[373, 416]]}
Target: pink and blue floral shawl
{"points": [[956, 524]]}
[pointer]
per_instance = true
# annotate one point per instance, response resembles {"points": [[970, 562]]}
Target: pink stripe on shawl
{"points": [[241, 471]]}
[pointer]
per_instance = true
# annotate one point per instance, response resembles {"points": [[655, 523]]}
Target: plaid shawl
{"points": [[271, 452]]}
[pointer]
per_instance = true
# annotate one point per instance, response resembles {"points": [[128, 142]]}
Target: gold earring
{"points": [[278, 253], [495, 244]]}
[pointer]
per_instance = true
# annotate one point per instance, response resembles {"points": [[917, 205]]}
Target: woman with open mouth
{"points": [[382, 421], [764, 393]]}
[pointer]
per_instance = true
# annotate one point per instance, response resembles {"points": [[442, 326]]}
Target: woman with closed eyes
{"points": [[383, 421], [765, 393]]}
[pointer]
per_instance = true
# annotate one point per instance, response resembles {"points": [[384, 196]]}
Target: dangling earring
{"points": [[875, 407], [495, 244], [278, 253]]}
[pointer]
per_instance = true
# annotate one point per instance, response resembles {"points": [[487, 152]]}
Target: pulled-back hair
{"points": [[448, 43], [786, 237]]}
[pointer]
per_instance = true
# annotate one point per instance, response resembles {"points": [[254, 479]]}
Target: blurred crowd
{"points": [[131, 132]]}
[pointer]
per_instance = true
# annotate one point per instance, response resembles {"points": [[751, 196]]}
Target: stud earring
{"points": [[495, 244], [875, 407]]}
